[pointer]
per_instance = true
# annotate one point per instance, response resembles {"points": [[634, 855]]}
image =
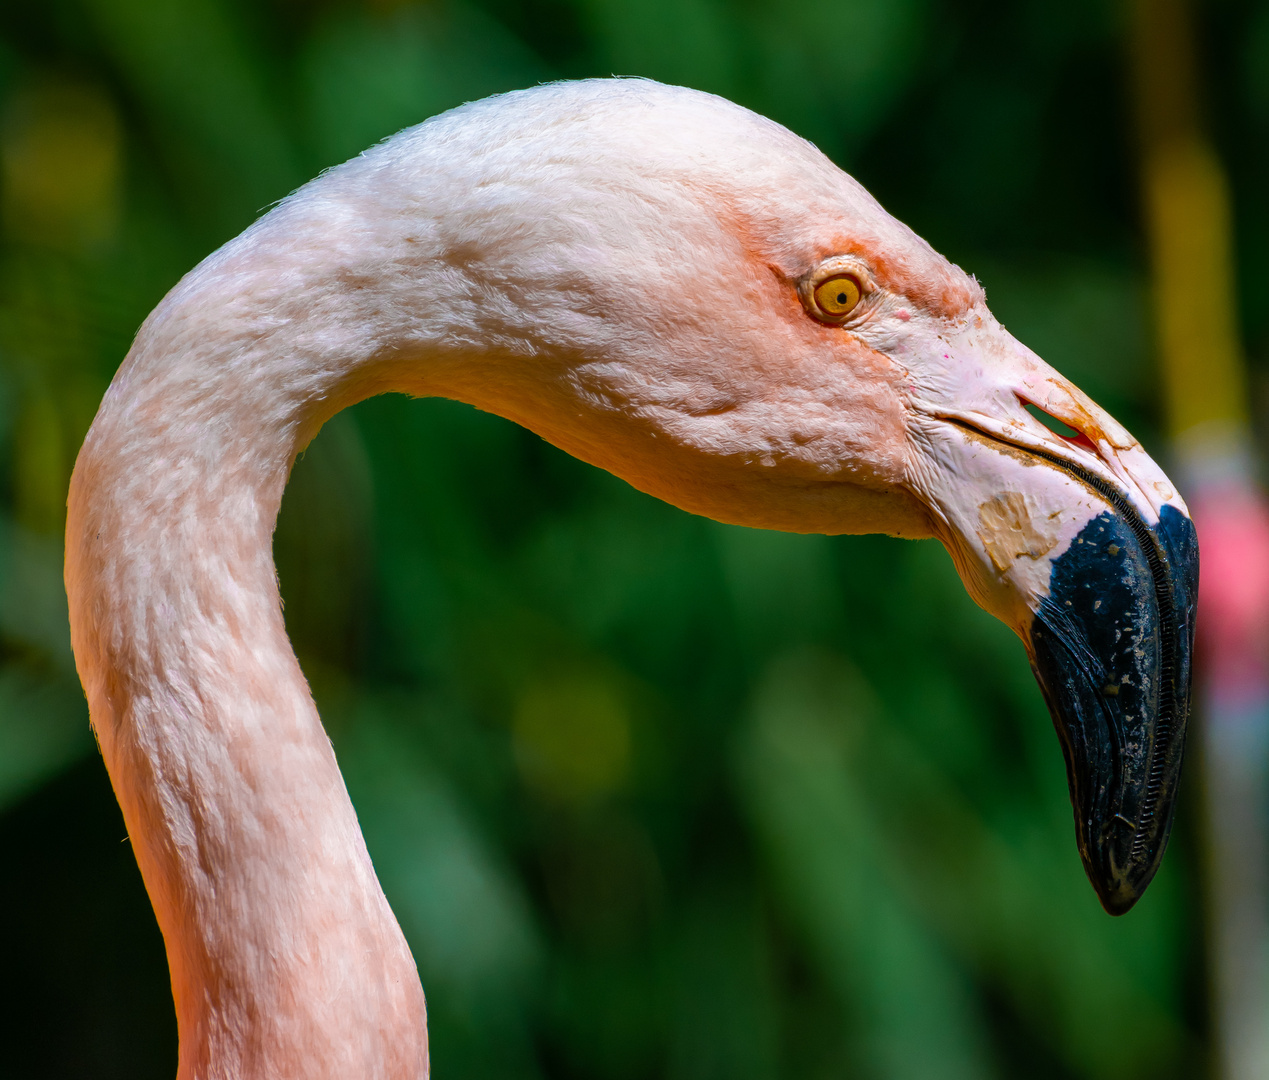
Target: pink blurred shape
{"points": [[1232, 518]]}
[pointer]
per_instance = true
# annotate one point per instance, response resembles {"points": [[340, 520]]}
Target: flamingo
{"points": [[669, 287]]}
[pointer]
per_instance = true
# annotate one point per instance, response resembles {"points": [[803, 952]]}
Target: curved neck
{"points": [[285, 957]]}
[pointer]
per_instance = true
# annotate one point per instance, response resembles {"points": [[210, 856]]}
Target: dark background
{"points": [[651, 796]]}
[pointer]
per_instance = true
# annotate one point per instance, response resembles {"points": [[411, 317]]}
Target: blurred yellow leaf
{"points": [[60, 156]]}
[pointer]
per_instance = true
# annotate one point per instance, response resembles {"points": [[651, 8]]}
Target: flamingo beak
{"points": [[1083, 547]]}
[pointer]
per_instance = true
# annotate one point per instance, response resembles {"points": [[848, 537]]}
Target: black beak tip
{"points": [[1120, 899], [1120, 871], [1111, 648]]}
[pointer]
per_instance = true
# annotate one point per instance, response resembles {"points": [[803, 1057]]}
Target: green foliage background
{"points": [[651, 796]]}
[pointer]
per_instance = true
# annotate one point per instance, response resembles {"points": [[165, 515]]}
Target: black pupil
{"points": [[841, 298]]}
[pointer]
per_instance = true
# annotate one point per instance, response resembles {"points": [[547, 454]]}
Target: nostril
{"points": [[1053, 423], [1059, 427]]}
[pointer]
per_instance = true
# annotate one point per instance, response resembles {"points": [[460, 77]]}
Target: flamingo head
{"points": [[689, 295]]}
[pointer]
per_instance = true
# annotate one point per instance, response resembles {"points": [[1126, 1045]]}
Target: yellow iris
{"points": [[837, 296]]}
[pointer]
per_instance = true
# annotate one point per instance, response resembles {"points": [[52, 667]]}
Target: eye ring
{"points": [[837, 291], [837, 296]]}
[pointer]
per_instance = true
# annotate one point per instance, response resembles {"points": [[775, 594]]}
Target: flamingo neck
{"points": [[285, 957]]}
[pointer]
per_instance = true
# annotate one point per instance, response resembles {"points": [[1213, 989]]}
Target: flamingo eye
{"points": [[837, 297]]}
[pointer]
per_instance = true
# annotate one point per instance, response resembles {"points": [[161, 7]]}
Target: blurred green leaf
{"points": [[820, 759], [831, 69], [468, 923], [912, 1007], [32, 598], [201, 83], [683, 42], [43, 729], [368, 76]]}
